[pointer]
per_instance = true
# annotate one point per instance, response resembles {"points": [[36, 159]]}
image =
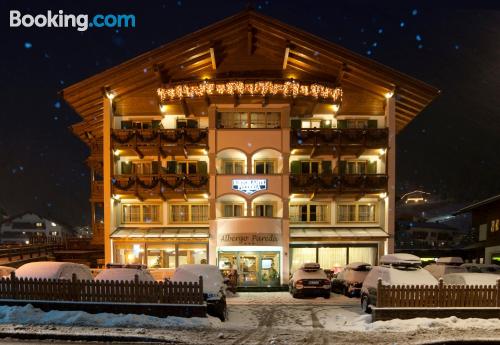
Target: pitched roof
{"points": [[478, 204], [267, 40]]}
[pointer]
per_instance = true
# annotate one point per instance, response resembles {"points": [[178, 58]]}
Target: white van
{"points": [[394, 269]]}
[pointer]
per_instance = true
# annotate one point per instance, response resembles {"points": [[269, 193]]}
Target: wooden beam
{"points": [[340, 76], [212, 57], [285, 59], [249, 40], [236, 100]]}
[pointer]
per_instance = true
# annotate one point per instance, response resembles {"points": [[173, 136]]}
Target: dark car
{"points": [[349, 281]]}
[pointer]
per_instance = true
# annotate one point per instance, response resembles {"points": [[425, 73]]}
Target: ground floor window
{"points": [[161, 255], [331, 257]]}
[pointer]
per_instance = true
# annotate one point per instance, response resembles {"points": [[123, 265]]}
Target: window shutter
{"points": [[326, 167], [126, 168], [202, 167], [341, 124], [154, 167], [295, 124], [372, 124], [171, 167], [156, 124], [295, 167], [342, 167], [126, 125], [372, 167]]}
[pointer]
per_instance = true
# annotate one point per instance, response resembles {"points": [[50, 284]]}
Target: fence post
{"points": [[200, 283], [13, 285], [441, 293], [74, 287], [498, 293], [136, 288], [379, 293]]}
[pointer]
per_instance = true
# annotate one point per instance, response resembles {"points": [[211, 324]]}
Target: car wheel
{"points": [[327, 295], [365, 304], [345, 291], [295, 294]]}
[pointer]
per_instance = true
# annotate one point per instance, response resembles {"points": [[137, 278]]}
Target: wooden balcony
{"points": [[330, 183], [97, 234], [334, 140], [181, 141], [159, 186]]}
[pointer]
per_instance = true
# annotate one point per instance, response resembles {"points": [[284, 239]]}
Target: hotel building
{"points": [[248, 144]]}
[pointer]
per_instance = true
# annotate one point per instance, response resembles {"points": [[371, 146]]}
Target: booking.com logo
{"points": [[79, 21]]}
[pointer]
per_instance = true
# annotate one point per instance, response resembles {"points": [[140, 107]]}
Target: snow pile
{"points": [[30, 315], [363, 324]]}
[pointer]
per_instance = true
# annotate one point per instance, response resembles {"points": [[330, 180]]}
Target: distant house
{"points": [[27, 227], [485, 230], [427, 235]]}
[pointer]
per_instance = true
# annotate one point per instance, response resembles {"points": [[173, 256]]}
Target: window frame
{"points": [[187, 163], [308, 212], [248, 115], [141, 213], [232, 204], [265, 204], [357, 213], [265, 161], [190, 213], [233, 162]]}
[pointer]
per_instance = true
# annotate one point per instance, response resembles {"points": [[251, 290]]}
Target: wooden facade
{"points": [[247, 97]]}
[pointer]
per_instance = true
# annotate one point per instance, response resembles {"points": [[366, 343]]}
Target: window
{"points": [[187, 167], [309, 167], [362, 254], [301, 256], [332, 257], [189, 213], [232, 210], [232, 167], [248, 120], [264, 210], [264, 167], [141, 213], [356, 167], [161, 255], [192, 254], [356, 213], [129, 253], [316, 213]]}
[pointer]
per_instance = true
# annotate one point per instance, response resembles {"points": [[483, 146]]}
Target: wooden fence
{"points": [[21, 253], [444, 296], [74, 290]]}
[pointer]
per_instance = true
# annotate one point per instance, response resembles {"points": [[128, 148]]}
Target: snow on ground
{"points": [[271, 298], [28, 315]]}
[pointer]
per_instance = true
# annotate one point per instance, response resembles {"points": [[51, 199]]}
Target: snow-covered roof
{"points": [[447, 260], [470, 279], [125, 274], [400, 258]]}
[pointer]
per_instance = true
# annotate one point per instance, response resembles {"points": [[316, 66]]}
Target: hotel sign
{"points": [[250, 239], [250, 186]]}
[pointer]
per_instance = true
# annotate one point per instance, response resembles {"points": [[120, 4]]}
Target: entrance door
{"points": [[270, 266], [248, 269]]}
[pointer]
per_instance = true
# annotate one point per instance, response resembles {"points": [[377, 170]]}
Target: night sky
{"points": [[451, 148]]}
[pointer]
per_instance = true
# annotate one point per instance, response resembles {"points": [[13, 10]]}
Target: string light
{"points": [[289, 88]]}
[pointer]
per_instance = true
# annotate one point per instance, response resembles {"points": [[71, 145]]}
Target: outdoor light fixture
{"points": [[110, 94], [382, 195], [205, 195], [389, 94], [163, 108], [335, 107], [382, 151]]}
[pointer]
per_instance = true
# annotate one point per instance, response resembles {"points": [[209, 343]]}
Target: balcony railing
{"points": [[161, 139], [369, 137], [159, 184], [330, 183]]}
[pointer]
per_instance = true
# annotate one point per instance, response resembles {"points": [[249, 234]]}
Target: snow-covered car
{"points": [[394, 269], [213, 286], [482, 268], [5, 271], [446, 265], [309, 279], [470, 279], [124, 273], [54, 270], [349, 281]]}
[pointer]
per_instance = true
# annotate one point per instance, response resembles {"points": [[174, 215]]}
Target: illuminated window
{"points": [[353, 213], [232, 167], [309, 213], [189, 213], [264, 166], [264, 210], [248, 120], [141, 213], [232, 210]]}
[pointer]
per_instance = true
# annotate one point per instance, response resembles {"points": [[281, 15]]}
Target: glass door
{"points": [[270, 269], [248, 269]]}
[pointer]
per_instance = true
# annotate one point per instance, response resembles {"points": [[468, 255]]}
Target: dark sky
{"points": [[451, 148]]}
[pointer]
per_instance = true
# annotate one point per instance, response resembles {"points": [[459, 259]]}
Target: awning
{"points": [[160, 233], [338, 232]]}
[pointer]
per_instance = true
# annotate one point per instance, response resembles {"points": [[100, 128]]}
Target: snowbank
{"points": [[33, 316]]}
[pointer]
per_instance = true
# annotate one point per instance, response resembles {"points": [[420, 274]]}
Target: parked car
{"points": [[394, 269], [309, 279], [114, 272], [5, 271], [54, 270], [482, 268], [349, 281], [471, 279], [213, 286], [446, 265]]}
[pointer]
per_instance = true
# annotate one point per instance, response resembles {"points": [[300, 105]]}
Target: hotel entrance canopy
{"points": [[353, 233], [124, 233]]}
